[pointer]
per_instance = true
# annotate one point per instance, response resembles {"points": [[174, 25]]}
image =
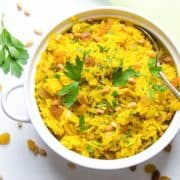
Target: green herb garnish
{"points": [[70, 93], [160, 88], [114, 93], [156, 88], [57, 76], [89, 148], [74, 71], [153, 68], [81, 124], [120, 78], [12, 53], [102, 48]]}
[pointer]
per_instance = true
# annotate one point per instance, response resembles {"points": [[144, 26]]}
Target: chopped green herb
{"points": [[120, 78], [114, 93], [114, 103], [70, 93], [99, 87], [81, 123], [102, 49], [153, 68], [102, 105], [86, 53], [12, 53], [57, 76], [158, 87], [89, 148], [74, 71]]}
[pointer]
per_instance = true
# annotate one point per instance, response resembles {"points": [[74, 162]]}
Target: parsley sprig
{"points": [[120, 78], [74, 71], [13, 54], [70, 91], [153, 68]]}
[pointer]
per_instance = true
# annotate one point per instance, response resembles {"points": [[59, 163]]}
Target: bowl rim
{"points": [[74, 157]]}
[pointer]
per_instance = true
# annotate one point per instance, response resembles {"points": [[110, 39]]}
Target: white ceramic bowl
{"points": [[46, 135]]}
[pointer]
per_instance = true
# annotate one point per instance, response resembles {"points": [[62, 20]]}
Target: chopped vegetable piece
{"points": [[120, 78], [74, 71], [176, 82], [4, 138], [70, 93], [153, 68]]}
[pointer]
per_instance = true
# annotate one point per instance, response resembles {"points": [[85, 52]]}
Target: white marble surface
{"points": [[16, 162]]}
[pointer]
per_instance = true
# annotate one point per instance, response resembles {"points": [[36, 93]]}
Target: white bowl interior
{"points": [[46, 135]]}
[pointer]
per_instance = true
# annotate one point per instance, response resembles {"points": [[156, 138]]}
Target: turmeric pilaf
{"points": [[99, 92]]}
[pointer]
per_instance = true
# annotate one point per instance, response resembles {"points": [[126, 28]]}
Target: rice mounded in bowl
{"points": [[99, 92]]}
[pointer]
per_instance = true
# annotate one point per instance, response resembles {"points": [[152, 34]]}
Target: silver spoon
{"points": [[163, 77]]}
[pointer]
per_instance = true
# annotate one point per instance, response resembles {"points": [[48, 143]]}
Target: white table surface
{"points": [[16, 161]]}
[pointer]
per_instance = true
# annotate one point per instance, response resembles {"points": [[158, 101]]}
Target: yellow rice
{"points": [[141, 115]]}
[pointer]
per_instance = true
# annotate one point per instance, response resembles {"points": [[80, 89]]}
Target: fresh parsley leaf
{"points": [[81, 123], [120, 78], [153, 68], [12, 53], [2, 56], [16, 69], [74, 71], [6, 65], [70, 93]]}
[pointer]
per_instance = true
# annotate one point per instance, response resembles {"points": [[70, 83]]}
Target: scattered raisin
{"points": [[164, 178], [155, 175], [150, 168], [71, 165], [168, 148], [4, 138], [133, 168]]}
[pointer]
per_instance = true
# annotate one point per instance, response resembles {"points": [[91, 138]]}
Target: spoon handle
{"points": [[169, 85]]}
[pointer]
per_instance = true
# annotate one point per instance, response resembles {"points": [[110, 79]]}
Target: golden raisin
{"points": [[149, 168], [155, 175], [32, 146], [71, 165], [168, 148], [164, 178], [4, 138], [132, 168], [42, 152]]}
